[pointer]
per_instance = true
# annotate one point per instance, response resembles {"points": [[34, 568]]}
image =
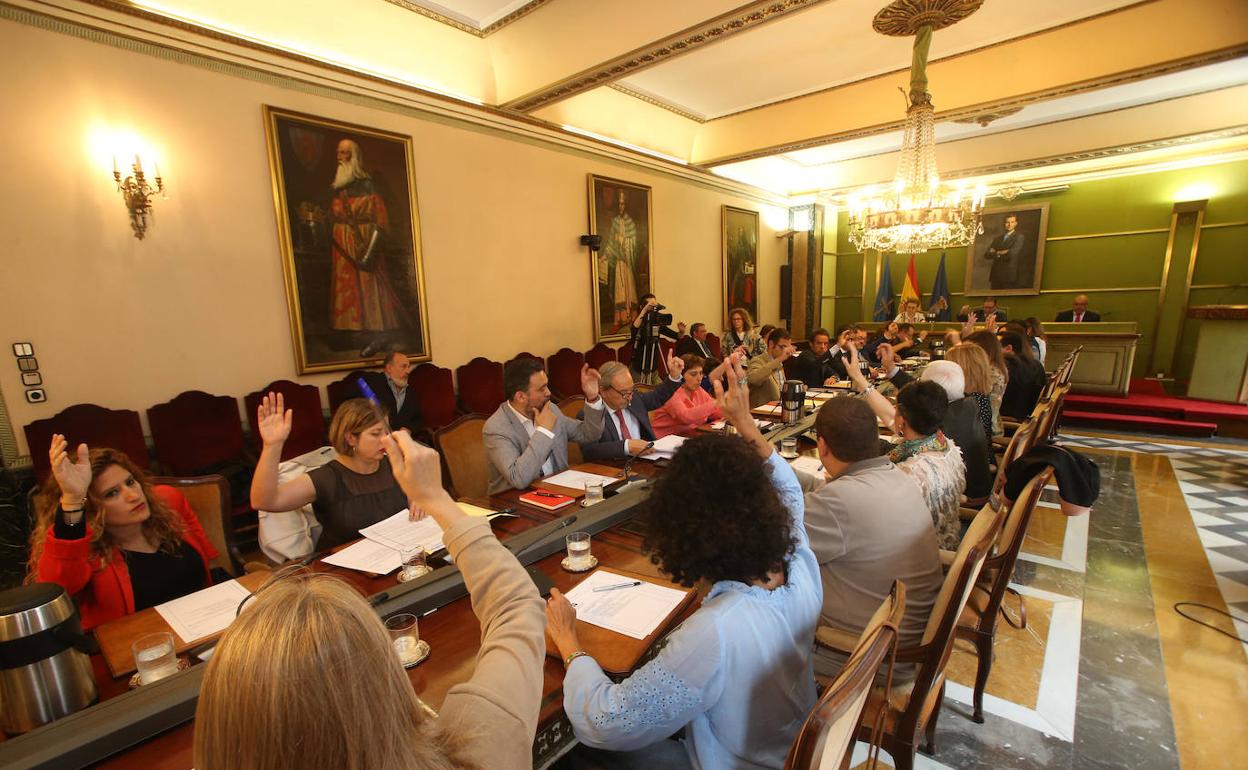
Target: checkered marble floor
{"points": [[1214, 482]]}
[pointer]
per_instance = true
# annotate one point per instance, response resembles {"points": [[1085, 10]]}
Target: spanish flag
{"points": [[910, 289]]}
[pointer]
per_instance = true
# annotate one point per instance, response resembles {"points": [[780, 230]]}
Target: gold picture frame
{"points": [[622, 266], [997, 267], [349, 233], [739, 252]]}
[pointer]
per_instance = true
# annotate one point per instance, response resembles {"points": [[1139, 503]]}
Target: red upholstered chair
{"points": [[480, 385], [625, 353], [342, 390], [525, 354], [94, 425], [564, 369], [599, 354], [436, 390], [712, 342], [308, 431], [198, 434]]}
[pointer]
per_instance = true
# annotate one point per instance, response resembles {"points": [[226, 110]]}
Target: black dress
{"points": [[159, 577], [347, 501]]}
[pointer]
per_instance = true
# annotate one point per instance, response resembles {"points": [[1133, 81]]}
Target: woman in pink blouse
{"points": [[690, 406]]}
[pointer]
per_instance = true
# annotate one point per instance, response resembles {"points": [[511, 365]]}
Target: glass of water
{"points": [[415, 563], [154, 656], [578, 549], [593, 492], [405, 636], [788, 447]]}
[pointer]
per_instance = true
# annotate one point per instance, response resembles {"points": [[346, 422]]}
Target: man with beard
{"points": [[619, 263], [361, 298]]}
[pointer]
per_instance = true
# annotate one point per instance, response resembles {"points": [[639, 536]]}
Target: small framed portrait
{"points": [[350, 240], [1008, 257], [620, 214], [739, 239]]}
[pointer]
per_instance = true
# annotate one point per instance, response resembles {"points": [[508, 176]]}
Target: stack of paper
{"points": [[205, 612], [665, 448], [400, 532], [366, 556], [809, 464], [577, 479], [634, 611]]}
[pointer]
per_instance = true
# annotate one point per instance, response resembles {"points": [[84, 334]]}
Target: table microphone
{"points": [[628, 464]]}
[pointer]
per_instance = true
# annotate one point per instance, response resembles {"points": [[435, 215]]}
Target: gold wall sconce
{"points": [[137, 193]]}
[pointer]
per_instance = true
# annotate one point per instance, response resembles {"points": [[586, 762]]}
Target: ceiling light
{"points": [[917, 212]]}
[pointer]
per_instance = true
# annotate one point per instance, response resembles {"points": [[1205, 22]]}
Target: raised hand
{"points": [[591, 382], [680, 328], [734, 403], [548, 418], [416, 467], [273, 419], [888, 358], [991, 322], [675, 366], [73, 474], [854, 370]]}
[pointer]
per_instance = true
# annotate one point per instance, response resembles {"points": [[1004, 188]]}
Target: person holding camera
{"points": [[650, 324]]}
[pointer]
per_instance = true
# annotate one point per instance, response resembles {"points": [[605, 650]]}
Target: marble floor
{"points": [[1108, 674]]}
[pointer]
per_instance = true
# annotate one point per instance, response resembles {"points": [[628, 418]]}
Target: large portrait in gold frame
{"points": [[1006, 257], [622, 268], [349, 232], [739, 242]]}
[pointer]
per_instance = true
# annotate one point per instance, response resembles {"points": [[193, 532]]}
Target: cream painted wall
{"points": [[200, 304]]}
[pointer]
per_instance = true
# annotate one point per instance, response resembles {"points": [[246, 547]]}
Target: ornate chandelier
{"points": [[917, 212]]}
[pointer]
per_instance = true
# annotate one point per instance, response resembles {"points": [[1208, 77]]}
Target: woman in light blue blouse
{"points": [[737, 674]]}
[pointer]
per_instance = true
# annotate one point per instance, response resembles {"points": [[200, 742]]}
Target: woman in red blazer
{"points": [[116, 543]]}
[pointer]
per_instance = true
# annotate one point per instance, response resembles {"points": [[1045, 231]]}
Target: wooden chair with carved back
{"points": [[713, 343], [436, 390], [564, 370], [96, 426], [624, 354], [1022, 440], [480, 386], [343, 390], [198, 434], [827, 736], [599, 354], [209, 497], [308, 428], [463, 451]]}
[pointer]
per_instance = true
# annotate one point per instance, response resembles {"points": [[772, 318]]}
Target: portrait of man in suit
{"points": [[1006, 258]]}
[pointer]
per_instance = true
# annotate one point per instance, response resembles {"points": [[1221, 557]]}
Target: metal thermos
{"points": [[792, 401], [45, 673]]}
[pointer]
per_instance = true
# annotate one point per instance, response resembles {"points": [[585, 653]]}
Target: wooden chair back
{"points": [[1046, 428], [343, 390], [564, 369], [209, 497], [625, 353], [1020, 442], [480, 385], [96, 426], [572, 406], [196, 431], [523, 355], [712, 342], [599, 354], [308, 429], [463, 450], [1068, 367], [827, 736], [436, 390]]}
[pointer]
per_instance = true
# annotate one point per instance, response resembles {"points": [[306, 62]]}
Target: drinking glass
{"points": [[415, 563], [154, 656], [788, 447], [405, 637], [578, 548], [593, 492]]}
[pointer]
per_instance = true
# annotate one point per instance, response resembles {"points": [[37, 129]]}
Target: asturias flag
{"points": [[941, 301], [884, 309]]}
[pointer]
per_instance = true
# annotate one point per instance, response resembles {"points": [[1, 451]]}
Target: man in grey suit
{"points": [[627, 431], [527, 436]]}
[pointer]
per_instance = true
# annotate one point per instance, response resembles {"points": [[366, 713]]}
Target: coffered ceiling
{"points": [[795, 96]]}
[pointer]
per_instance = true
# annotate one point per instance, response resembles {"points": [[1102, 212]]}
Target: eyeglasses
{"points": [[623, 393]]}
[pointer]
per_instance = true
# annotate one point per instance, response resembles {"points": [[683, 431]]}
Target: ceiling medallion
{"points": [[917, 212]]}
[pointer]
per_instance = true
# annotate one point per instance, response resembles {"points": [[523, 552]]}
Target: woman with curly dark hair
{"points": [[737, 674]]}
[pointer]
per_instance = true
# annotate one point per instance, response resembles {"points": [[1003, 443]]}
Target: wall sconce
{"points": [[137, 193]]}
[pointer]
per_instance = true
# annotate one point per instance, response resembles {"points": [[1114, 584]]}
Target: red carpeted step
{"points": [[1139, 405], [1140, 423]]}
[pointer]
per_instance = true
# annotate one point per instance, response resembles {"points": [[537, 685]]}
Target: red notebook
{"points": [[551, 501]]}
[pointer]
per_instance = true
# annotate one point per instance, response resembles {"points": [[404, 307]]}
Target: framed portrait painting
{"points": [[739, 239], [1008, 256], [349, 232], [620, 215]]}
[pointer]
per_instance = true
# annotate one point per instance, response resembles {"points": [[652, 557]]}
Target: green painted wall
{"points": [[1096, 264]]}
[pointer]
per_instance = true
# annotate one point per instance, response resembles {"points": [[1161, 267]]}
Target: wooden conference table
{"points": [[451, 630]]}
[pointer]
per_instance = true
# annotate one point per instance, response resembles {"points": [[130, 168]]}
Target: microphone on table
{"points": [[628, 464]]}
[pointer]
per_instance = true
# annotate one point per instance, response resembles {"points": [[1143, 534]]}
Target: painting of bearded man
{"points": [[619, 213], [350, 237]]}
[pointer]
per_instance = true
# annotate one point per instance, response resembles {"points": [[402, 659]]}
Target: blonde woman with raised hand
{"points": [[306, 677]]}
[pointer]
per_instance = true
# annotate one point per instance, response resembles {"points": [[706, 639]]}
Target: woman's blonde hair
{"points": [[745, 317], [163, 527], [354, 416], [975, 365], [307, 676]]}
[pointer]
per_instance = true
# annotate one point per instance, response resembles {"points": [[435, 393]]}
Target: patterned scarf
{"points": [[908, 448]]}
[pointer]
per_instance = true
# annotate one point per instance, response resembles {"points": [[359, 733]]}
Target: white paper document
{"points": [[810, 465], [578, 479], [399, 532], [205, 612], [664, 448], [634, 611], [366, 556]]}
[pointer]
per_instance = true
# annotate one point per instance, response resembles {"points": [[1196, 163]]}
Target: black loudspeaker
{"points": [[786, 293]]}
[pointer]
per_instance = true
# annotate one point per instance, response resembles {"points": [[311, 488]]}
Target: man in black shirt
{"points": [[1026, 377], [814, 366]]}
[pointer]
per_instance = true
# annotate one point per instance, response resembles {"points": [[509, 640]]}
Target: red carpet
{"points": [[1147, 409]]}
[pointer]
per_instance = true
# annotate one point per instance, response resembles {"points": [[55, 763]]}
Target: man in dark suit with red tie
{"points": [[390, 387], [1079, 313], [626, 428]]}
